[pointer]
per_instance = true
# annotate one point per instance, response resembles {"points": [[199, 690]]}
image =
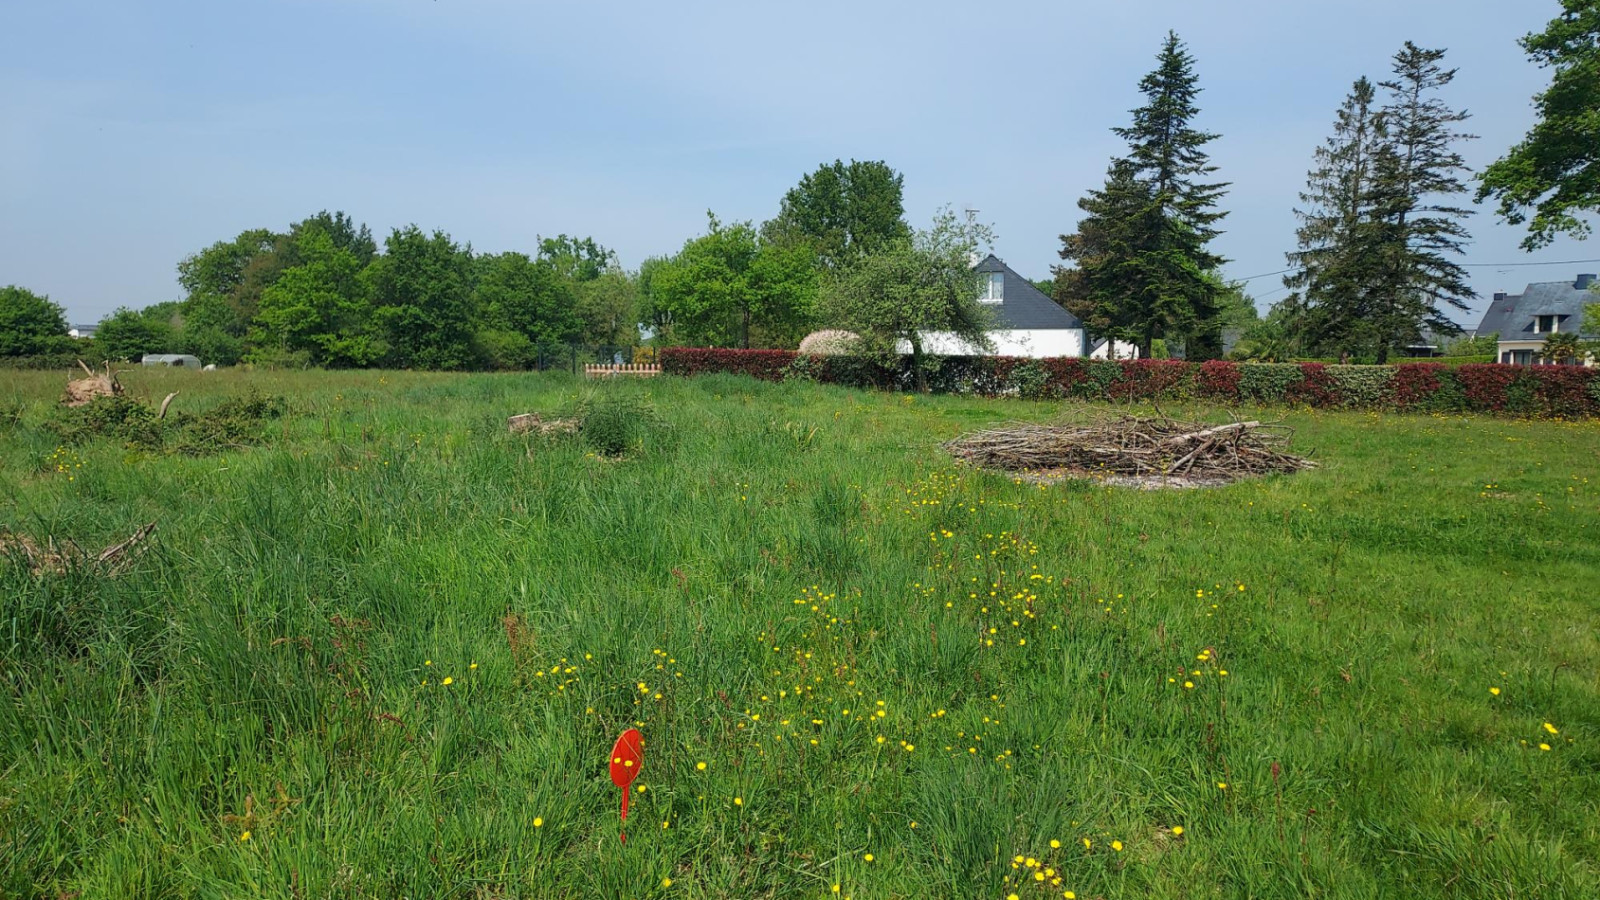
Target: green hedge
{"points": [[1431, 386]]}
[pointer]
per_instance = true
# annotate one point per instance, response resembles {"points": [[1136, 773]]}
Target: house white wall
{"points": [[1123, 349], [1033, 343]]}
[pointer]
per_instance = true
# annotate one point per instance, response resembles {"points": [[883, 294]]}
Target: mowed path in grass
{"points": [[387, 652]]}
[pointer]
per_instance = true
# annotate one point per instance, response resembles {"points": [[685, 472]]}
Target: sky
{"points": [[134, 134]]}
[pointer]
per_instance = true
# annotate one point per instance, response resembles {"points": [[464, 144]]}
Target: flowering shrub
{"points": [[1568, 391]]}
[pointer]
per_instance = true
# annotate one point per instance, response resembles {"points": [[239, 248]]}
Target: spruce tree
{"points": [[1415, 174], [1339, 259], [1151, 276]]}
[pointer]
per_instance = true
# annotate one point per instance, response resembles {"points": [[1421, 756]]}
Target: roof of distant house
{"points": [[1512, 315], [1023, 306]]}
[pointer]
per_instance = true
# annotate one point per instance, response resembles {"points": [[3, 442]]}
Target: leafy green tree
{"points": [[608, 308], [342, 230], [129, 334], [842, 211], [576, 259], [1554, 172], [1340, 256], [526, 296], [319, 307], [421, 288], [30, 324], [729, 284], [1420, 232], [210, 330], [1144, 270], [898, 294]]}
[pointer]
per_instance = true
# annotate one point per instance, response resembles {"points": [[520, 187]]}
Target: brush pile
{"points": [[1135, 449], [58, 557]]}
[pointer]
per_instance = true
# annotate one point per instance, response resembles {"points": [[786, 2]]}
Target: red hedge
{"points": [[1566, 391], [766, 365], [1219, 378], [1414, 383]]}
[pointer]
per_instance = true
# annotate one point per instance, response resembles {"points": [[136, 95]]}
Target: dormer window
{"points": [[993, 289], [1544, 324]]}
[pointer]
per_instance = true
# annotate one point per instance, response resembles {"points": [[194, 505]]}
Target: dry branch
{"points": [[1134, 446], [57, 559]]}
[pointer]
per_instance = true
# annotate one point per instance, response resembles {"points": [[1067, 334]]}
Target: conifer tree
{"points": [[1150, 275], [1416, 173], [1338, 259]]}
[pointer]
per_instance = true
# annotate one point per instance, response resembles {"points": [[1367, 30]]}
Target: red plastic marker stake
{"points": [[627, 758]]}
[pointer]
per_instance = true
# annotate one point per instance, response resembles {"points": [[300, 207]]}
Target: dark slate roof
{"points": [[1024, 306], [1512, 314]]}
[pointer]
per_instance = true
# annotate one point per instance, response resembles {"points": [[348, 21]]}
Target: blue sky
{"points": [[134, 134]]}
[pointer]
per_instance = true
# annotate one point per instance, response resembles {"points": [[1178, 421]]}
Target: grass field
{"points": [[385, 654]]}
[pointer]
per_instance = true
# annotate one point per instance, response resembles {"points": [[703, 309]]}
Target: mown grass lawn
{"points": [[386, 653]]}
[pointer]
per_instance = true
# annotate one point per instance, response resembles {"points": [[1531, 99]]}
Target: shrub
{"points": [[613, 424], [1030, 379], [766, 365], [1316, 387], [1484, 385], [1268, 382], [1218, 379], [1153, 379], [1363, 387], [1415, 384], [1426, 386]]}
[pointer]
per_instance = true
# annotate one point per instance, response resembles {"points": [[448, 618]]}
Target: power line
{"points": [[1569, 262], [1566, 262]]}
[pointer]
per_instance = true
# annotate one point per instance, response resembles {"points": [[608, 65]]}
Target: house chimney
{"points": [[1584, 282]]}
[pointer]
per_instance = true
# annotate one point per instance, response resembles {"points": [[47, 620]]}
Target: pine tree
{"points": [[1338, 260], [1415, 174], [1144, 271]]}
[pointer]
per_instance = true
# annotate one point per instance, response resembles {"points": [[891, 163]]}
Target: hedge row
{"points": [[1556, 391]]}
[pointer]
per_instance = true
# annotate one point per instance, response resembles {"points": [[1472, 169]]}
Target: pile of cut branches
{"points": [[58, 557], [1135, 447]]}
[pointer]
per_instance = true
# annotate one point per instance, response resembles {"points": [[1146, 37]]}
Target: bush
{"points": [[615, 424], [766, 365], [1218, 379], [229, 425], [1363, 387], [1416, 383], [1268, 382]]}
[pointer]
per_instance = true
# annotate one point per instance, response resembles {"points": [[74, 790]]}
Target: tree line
{"points": [[1381, 229]]}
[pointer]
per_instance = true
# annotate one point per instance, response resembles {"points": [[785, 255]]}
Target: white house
{"points": [[1030, 323], [1524, 320]]}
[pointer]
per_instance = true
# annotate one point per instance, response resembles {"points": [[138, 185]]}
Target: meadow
{"points": [[385, 653]]}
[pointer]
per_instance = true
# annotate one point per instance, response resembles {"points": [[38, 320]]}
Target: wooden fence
{"points": [[592, 370]]}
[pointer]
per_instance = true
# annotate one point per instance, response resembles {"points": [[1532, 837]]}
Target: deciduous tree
{"points": [[1552, 176]]}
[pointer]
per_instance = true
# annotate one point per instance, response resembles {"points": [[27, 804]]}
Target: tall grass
{"points": [[773, 556]]}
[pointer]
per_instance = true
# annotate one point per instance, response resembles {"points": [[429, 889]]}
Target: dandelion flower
{"points": [[836, 889], [1117, 846], [1551, 728], [867, 857], [700, 765], [1055, 844], [1495, 691], [538, 822], [1011, 897], [448, 680], [738, 801], [1087, 844], [1177, 831], [666, 882], [244, 837], [1222, 785]]}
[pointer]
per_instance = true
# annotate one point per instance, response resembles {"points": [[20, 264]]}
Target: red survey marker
{"points": [[627, 758]]}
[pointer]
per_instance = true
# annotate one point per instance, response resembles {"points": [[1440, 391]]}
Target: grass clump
{"points": [[616, 423], [234, 423]]}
